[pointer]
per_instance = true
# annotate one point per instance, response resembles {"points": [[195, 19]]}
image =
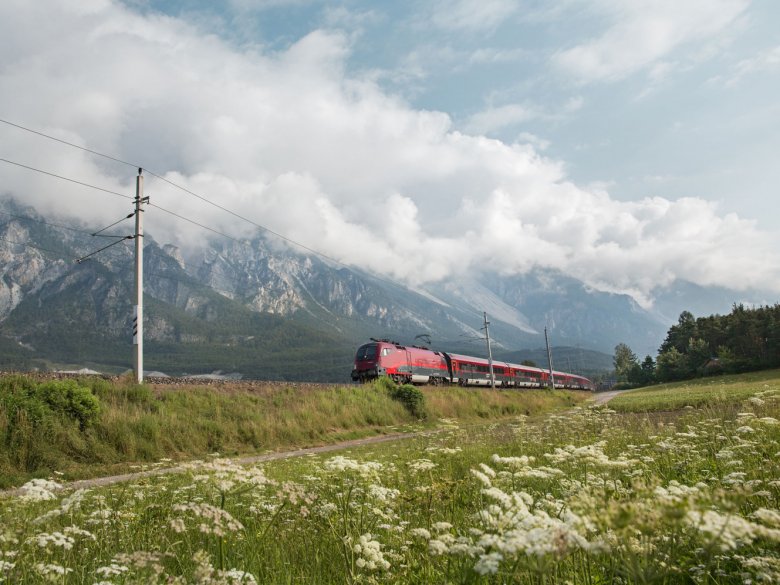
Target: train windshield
{"points": [[366, 352]]}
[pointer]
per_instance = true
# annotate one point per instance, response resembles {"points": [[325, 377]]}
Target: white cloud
{"points": [[291, 141], [643, 32], [497, 118], [490, 55], [766, 60], [473, 15], [533, 139], [259, 5], [342, 17]]}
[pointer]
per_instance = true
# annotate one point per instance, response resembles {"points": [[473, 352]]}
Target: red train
{"points": [[419, 365]]}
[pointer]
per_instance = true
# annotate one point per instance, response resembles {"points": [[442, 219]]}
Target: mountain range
{"points": [[267, 311]]}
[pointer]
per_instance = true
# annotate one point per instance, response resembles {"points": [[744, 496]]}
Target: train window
{"points": [[366, 352], [385, 351]]}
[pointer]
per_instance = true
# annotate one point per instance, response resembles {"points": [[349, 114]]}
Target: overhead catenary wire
{"points": [[64, 227], [29, 245], [192, 193], [80, 260], [173, 184], [60, 140], [82, 183], [77, 260], [99, 232], [195, 223]]}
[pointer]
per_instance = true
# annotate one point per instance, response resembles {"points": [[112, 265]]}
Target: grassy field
{"points": [[48, 426], [585, 495], [695, 393]]}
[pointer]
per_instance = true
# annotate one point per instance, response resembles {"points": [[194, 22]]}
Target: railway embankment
{"points": [[76, 427]]}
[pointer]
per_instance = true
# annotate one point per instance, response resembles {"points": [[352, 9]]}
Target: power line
{"points": [[64, 227], [252, 222], [158, 176], [191, 282], [28, 245], [188, 191], [10, 162], [80, 260], [95, 152], [200, 225], [184, 189], [128, 216]]}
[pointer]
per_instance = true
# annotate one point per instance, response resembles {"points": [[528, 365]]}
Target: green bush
{"points": [[414, 400], [410, 396], [67, 397], [38, 405], [385, 384]]}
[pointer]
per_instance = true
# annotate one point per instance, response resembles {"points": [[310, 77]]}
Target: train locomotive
{"points": [[420, 365]]}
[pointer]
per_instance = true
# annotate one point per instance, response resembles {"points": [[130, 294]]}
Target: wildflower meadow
{"points": [[589, 495]]}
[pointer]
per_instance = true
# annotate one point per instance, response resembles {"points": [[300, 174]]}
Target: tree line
{"points": [[744, 340]]}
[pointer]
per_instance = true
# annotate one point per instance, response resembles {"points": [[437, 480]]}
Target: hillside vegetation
{"points": [[90, 426], [747, 339]]}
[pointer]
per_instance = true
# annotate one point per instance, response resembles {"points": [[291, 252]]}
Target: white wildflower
{"points": [[513, 462], [237, 576], [340, 464], [52, 571], [369, 553], [482, 477], [420, 533], [488, 564], [217, 521], [56, 539], [767, 516], [39, 490], [729, 531], [421, 465], [112, 570]]}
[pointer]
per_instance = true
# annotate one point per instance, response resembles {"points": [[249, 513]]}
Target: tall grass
{"points": [[588, 495], [696, 393], [133, 424]]}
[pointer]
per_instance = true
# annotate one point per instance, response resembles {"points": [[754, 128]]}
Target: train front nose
{"points": [[366, 362]]}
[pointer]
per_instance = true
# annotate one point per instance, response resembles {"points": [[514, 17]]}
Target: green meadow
{"points": [[89, 427], [685, 492]]}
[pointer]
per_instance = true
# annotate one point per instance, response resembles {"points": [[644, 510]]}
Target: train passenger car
{"points": [[419, 365], [471, 371], [528, 377]]}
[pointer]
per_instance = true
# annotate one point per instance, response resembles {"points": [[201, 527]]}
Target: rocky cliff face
{"points": [[209, 296]]}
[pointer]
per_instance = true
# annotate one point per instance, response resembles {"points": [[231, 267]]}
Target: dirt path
{"points": [[604, 397], [599, 399], [109, 480]]}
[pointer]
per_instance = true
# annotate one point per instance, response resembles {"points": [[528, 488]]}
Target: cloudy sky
{"points": [[626, 143]]}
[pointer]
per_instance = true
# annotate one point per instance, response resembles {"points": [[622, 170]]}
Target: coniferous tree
{"points": [[624, 361]]}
